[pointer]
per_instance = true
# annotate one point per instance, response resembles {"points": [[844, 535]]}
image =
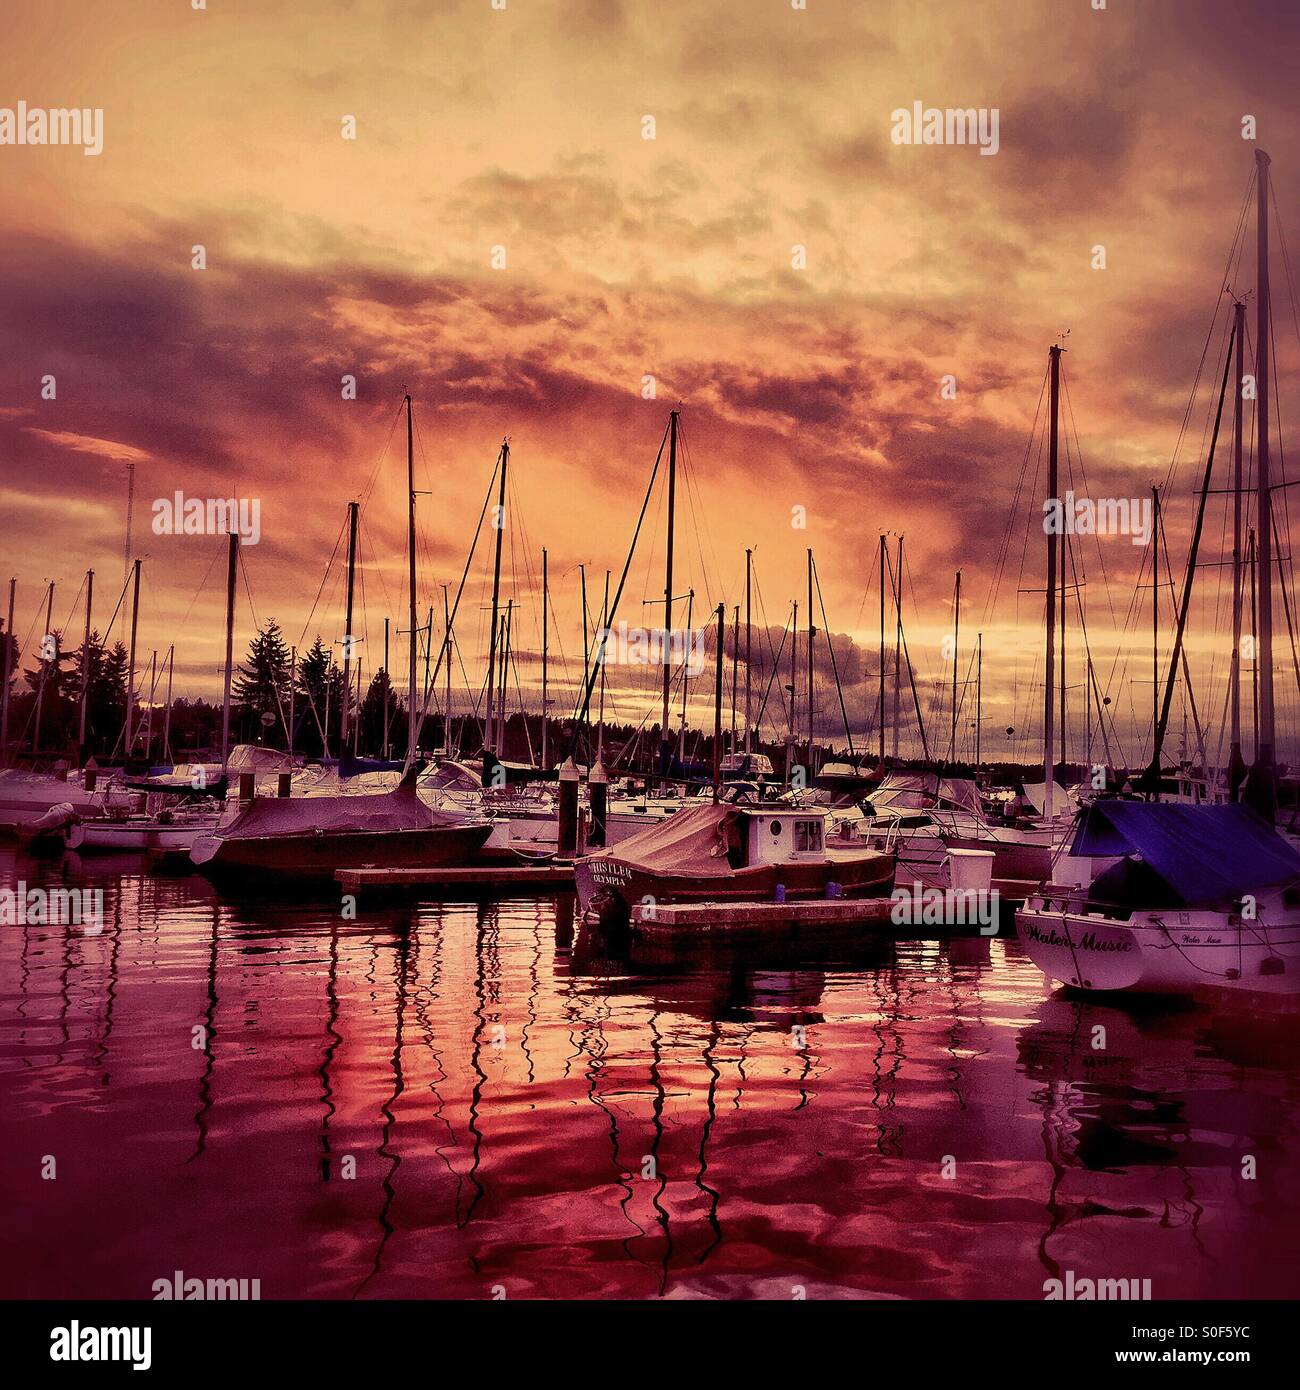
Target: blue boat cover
{"points": [[1204, 853], [354, 767]]}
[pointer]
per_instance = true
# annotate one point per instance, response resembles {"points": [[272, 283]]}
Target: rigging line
{"points": [[696, 498], [990, 601], [1181, 607], [71, 611], [1074, 429], [826, 628], [589, 679], [324, 577], [1224, 288], [363, 527], [775, 653], [202, 585], [383, 453], [469, 560], [1091, 666], [772, 674], [936, 692]]}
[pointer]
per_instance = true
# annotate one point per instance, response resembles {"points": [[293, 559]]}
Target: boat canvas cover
{"points": [[1036, 794], [250, 757], [692, 841], [399, 809], [913, 792], [1206, 854]]}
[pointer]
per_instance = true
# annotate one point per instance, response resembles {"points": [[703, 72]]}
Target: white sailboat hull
{"points": [[142, 834], [1169, 952]]}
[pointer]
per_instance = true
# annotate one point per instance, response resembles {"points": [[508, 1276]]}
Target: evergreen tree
{"points": [[320, 696], [106, 698], [262, 685], [380, 707]]}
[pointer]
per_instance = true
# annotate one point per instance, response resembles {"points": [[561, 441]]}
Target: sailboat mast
{"points": [[232, 566], [499, 522], [1155, 616], [167, 718], [690, 622], [1065, 555], [882, 653], [1264, 529], [794, 690], [46, 664], [412, 716], [130, 680], [717, 708], [956, 637], [812, 633], [1049, 668], [293, 692], [1252, 571], [85, 667], [979, 692], [749, 634], [546, 634], [600, 718], [446, 674], [735, 671], [1235, 762], [898, 650], [10, 652], [354, 509], [668, 595]]}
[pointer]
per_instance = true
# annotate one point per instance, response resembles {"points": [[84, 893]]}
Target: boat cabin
{"points": [[778, 835]]}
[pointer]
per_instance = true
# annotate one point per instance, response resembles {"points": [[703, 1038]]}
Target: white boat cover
{"points": [[1035, 793], [249, 757], [914, 791]]}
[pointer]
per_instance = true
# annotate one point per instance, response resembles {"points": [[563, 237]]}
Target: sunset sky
{"points": [[522, 128]]}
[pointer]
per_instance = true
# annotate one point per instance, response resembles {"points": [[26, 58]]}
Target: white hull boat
{"points": [[1190, 900], [138, 833]]}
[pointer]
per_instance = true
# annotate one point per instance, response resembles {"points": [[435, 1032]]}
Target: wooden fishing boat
{"points": [[728, 854]]}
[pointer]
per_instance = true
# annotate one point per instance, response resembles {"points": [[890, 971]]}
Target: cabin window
{"points": [[775, 828], [807, 836]]}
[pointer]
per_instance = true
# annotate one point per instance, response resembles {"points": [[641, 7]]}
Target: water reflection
{"points": [[447, 1099]]}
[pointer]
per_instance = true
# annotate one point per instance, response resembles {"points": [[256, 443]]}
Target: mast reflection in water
{"points": [[451, 1100]]}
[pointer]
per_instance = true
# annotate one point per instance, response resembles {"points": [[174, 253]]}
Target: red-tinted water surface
{"points": [[455, 1099]]}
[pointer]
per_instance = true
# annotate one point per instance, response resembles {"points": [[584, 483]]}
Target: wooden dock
{"points": [[668, 923], [491, 877]]}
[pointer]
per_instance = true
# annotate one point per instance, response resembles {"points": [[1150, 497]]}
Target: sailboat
{"points": [[286, 840], [1180, 899]]}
